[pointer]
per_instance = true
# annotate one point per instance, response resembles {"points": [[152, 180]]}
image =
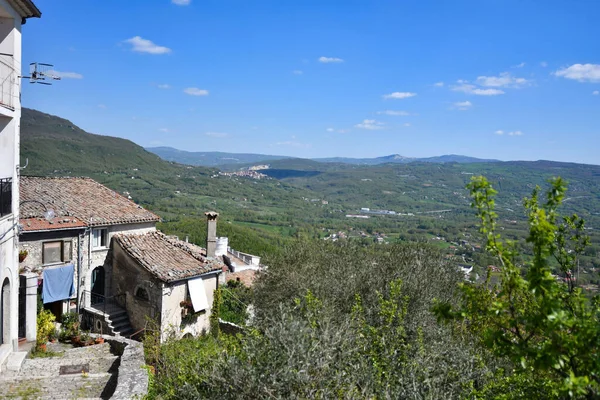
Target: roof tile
{"points": [[84, 198], [167, 258]]}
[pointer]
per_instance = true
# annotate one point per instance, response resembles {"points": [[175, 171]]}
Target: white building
{"points": [[13, 14]]}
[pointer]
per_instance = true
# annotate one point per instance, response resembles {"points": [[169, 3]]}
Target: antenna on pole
{"points": [[39, 72]]}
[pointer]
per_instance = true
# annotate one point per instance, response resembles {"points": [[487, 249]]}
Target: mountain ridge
{"points": [[218, 158]]}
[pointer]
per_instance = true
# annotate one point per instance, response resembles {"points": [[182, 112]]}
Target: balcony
{"points": [[8, 84]]}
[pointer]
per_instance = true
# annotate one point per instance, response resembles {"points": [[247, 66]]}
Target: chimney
{"points": [[211, 234]]}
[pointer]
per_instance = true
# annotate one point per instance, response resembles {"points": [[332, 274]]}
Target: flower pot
{"points": [[42, 347], [99, 340]]}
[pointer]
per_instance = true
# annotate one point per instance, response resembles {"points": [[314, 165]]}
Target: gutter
{"points": [[217, 271]]}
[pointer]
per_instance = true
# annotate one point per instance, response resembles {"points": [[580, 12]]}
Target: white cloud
{"points": [[521, 65], [581, 72], [395, 113], [336, 130], [464, 86], [64, 75], [596, 92], [164, 86], [328, 60], [370, 124], [407, 124], [505, 80], [181, 2], [192, 91], [543, 64], [512, 133], [217, 134], [102, 106], [463, 105], [297, 72], [164, 130], [399, 95], [141, 45], [438, 84]]}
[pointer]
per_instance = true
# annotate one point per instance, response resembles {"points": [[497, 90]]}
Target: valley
{"points": [[299, 198]]}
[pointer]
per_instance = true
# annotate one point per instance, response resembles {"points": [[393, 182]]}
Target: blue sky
{"points": [[506, 79]]}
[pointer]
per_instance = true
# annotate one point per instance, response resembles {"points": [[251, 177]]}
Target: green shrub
{"points": [[45, 326]]}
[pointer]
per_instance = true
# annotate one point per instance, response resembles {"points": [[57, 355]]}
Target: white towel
{"points": [[198, 294]]}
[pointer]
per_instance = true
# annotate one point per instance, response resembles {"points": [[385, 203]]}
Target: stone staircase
{"points": [[118, 322], [86, 372]]}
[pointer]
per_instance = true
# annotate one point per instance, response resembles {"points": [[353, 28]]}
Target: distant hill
{"points": [[210, 158], [398, 159], [229, 160], [56, 145]]}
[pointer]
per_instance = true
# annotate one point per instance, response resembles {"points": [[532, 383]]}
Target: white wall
{"points": [[171, 309], [10, 42]]}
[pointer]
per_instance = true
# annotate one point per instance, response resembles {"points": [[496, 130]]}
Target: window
{"points": [[100, 238], [5, 196], [52, 252], [142, 294]]}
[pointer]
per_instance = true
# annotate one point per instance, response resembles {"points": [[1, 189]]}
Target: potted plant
{"points": [[45, 327], [99, 340], [53, 336], [23, 255], [86, 339]]}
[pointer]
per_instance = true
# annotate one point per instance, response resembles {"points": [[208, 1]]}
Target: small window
{"points": [[52, 252], [5, 197], [142, 294], [100, 238], [67, 250]]}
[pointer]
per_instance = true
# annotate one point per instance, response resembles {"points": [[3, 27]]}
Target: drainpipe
{"points": [[80, 237], [88, 234]]}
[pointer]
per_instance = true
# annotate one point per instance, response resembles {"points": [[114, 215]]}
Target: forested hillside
{"points": [[310, 199]]}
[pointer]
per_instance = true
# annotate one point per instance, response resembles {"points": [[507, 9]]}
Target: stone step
{"points": [[114, 320], [5, 351], [77, 386], [15, 360]]}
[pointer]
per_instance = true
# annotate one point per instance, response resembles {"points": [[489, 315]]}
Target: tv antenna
{"points": [[39, 72]]}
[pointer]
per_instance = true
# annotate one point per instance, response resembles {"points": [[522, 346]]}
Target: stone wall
{"points": [[102, 257], [132, 378], [127, 278], [33, 243]]}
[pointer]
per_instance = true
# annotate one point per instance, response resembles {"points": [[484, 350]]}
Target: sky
{"points": [[502, 79]]}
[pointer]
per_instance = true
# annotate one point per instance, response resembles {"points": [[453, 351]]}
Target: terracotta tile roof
{"points": [[247, 276], [83, 198], [41, 224], [167, 258]]}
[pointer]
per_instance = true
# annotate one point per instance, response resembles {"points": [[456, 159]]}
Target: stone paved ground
{"points": [[39, 378]]}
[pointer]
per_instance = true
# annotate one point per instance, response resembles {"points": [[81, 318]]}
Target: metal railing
{"points": [[106, 305]]}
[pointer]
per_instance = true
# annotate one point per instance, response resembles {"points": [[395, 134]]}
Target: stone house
{"points": [[167, 280], [70, 222], [13, 14], [123, 270]]}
